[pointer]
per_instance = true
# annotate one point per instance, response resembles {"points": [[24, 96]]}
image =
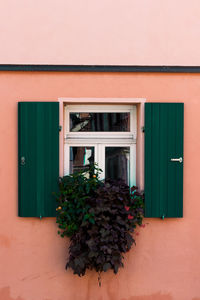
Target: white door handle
{"points": [[180, 159]]}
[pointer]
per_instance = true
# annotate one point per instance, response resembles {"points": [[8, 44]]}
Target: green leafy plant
{"points": [[99, 217]]}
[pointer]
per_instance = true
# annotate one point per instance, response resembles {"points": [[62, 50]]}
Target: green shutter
{"points": [[163, 177], [38, 144]]}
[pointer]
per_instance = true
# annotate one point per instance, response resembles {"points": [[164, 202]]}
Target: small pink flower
{"points": [[137, 233], [127, 208], [130, 217], [143, 225]]}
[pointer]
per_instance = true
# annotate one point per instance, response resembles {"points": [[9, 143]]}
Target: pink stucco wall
{"points": [[127, 32], [165, 264]]}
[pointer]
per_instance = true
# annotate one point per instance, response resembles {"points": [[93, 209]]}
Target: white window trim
{"points": [[100, 140], [132, 134], [105, 101], [99, 150]]}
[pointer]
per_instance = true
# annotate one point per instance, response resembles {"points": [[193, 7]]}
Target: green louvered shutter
{"points": [[38, 158], [164, 177]]}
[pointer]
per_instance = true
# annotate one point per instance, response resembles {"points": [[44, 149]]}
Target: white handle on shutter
{"points": [[180, 159]]}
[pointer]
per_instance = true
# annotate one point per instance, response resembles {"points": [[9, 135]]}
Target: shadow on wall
{"points": [[5, 294], [157, 296]]}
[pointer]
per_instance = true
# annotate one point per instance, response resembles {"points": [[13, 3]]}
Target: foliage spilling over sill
{"points": [[99, 218]]}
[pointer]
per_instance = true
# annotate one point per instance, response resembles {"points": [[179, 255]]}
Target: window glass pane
{"points": [[117, 163], [81, 158], [90, 122]]}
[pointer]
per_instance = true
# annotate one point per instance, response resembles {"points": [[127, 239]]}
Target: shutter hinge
{"points": [[60, 128], [143, 129]]}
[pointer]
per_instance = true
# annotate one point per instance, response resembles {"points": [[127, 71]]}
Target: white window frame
{"points": [[100, 140]]}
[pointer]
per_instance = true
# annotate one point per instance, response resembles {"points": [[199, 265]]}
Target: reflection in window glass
{"points": [[117, 163], [81, 158], [99, 122]]}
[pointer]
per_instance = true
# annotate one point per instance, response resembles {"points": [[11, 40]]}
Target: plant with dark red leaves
{"points": [[99, 218]]}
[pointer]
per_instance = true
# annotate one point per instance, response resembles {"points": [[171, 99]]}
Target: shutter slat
{"points": [[163, 141], [164, 158], [155, 136], [38, 140], [172, 166], [148, 162], [180, 129], [52, 168]]}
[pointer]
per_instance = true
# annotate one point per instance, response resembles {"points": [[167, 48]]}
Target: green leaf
{"points": [[106, 267], [94, 217], [91, 220]]}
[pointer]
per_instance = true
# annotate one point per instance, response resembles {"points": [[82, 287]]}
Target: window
{"points": [[104, 134]]}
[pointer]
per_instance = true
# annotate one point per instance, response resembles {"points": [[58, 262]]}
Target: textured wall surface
{"points": [[165, 263], [129, 32]]}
